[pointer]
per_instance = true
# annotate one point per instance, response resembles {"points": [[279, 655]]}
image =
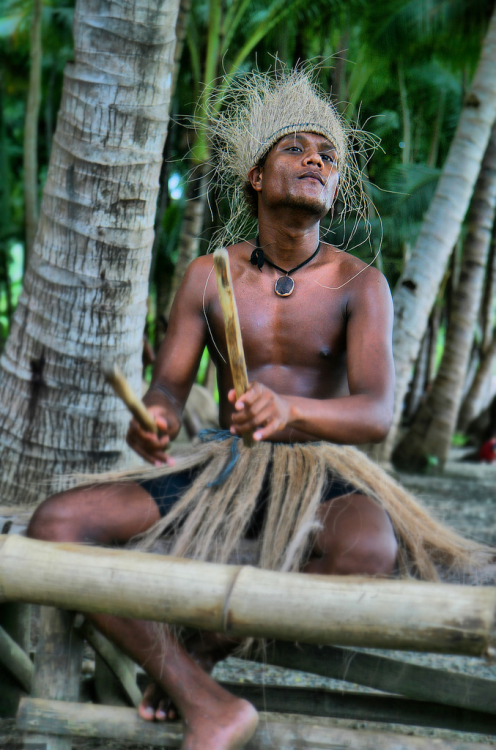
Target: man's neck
{"points": [[288, 246]]}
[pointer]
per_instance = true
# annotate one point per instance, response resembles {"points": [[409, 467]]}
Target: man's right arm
{"points": [[176, 366]]}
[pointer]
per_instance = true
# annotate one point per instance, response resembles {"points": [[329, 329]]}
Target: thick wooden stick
{"points": [[107, 722], [117, 380], [233, 329], [245, 601]]}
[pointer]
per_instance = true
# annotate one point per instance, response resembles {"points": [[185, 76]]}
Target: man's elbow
{"points": [[380, 425]]}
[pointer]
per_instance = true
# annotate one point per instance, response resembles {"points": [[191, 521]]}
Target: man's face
{"points": [[300, 172]]}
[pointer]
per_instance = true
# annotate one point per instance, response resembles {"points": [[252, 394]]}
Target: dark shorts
{"points": [[167, 490]]}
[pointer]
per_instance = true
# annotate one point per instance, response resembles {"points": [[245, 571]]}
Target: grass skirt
{"points": [[211, 518]]}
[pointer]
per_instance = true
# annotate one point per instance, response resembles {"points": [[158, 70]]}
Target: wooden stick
{"points": [[114, 660], [16, 660], [385, 674], [233, 329], [348, 704], [104, 722], [117, 380], [245, 601]]}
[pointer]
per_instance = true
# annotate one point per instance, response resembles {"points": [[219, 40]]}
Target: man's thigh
{"points": [[97, 514]]}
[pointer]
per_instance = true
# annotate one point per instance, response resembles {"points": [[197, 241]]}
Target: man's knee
{"points": [[375, 555], [55, 520]]}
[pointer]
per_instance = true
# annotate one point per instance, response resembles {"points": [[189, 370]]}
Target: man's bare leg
{"points": [[213, 719], [356, 538]]}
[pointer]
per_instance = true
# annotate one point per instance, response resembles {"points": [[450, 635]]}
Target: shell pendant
{"points": [[284, 286]]}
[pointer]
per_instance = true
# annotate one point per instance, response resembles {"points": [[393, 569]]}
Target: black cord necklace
{"points": [[284, 285]]}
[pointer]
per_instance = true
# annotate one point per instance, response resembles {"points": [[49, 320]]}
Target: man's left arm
{"points": [[366, 414]]}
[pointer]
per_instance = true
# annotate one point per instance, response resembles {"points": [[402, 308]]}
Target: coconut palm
{"points": [[433, 427], [85, 288], [419, 283]]}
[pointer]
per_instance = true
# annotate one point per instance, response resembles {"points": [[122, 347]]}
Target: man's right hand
{"points": [[147, 445]]}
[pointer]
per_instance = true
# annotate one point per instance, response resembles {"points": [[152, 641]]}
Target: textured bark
{"points": [[418, 286], [85, 289], [434, 424], [31, 130]]}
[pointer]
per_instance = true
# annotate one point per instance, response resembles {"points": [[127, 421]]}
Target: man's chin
{"points": [[306, 204]]}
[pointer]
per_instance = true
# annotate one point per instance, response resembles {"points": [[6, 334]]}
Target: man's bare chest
{"points": [[306, 329]]}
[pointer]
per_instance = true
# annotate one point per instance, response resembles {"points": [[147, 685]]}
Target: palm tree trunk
{"points": [[472, 403], [431, 432], [85, 288], [417, 288], [31, 130]]}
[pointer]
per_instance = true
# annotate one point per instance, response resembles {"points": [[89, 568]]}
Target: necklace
{"points": [[284, 285]]}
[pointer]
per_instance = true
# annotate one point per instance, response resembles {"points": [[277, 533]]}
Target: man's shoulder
{"points": [[358, 274]]}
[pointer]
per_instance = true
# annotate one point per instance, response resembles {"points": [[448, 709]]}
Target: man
{"points": [[320, 365]]}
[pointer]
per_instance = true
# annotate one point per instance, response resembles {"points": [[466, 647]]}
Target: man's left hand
{"points": [[260, 411]]}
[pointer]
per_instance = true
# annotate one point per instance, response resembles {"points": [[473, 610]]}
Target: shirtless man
{"points": [[321, 368]]}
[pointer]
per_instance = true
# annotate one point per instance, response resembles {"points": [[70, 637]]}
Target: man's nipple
{"points": [[325, 353]]}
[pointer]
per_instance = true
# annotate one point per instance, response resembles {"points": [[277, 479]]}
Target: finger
{"points": [[251, 395], [252, 412], [259, 420], [231, 396], [273, 426], [157, 458], [161, 423]]}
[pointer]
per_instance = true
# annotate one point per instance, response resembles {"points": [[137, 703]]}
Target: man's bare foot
{"points": [[220, 725], [206, 649], [157, 705]]}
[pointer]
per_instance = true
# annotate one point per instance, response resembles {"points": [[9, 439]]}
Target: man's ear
{"points": [[255, 178], [335, 194]]}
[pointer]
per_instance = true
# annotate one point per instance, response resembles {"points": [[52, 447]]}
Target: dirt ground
{"points": [[464, 497]]}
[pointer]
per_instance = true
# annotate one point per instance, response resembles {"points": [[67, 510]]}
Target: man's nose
{"points": [[313, 157]]}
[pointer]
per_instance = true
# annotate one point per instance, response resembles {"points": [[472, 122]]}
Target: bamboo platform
{"points": [[48, 692]]}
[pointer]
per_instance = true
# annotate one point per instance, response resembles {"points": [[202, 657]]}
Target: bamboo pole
{"points": [[245, 601], [124, 724], [117, 380], [233, 329]]}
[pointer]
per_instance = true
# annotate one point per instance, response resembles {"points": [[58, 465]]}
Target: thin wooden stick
{"points": [[233, 329], [117, 380]]}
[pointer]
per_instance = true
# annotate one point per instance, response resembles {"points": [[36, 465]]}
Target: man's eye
{"points": [[294, 148], [328, 157]]}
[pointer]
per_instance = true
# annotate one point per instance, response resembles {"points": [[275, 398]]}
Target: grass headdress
{"points": [[261, 108]]}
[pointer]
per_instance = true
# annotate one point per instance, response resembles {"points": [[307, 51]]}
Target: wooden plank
{"points": [[346, 704], [57, 667], [383, 673], [124, 724], [245, 601], [121, 666]]}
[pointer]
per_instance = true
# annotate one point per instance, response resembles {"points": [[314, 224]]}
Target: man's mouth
{"points": [[312, 176]]}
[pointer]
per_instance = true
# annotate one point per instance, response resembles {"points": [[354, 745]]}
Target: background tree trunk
{"points": [[434, 424], [419, 283], [31, 130], [85, 289]]}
